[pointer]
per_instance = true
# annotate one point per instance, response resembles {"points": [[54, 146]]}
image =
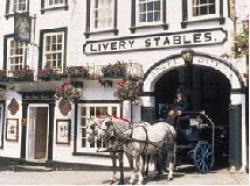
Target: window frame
{"points": [[23, 56], [46, 7], [134, 18], [9, 13], [2, 123], [88, 149], [202, 17], [93, 19], [186, 19], [137, 14], [45, 32], [89, 17]]}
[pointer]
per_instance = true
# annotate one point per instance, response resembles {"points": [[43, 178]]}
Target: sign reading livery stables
{"points": [[156, 41]]}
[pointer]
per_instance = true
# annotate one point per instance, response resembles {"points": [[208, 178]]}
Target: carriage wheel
{"points": [[203, 157]]}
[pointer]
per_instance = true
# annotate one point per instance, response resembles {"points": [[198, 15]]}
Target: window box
{"points": [[23, 75]]}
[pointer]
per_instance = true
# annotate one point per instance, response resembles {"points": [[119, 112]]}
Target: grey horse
{"points": [[138, 142]]}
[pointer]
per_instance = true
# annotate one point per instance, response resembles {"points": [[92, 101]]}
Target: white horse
{"points": [[139, 141]]}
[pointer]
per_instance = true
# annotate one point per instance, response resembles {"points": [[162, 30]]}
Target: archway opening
{"points": [[205, 90]]}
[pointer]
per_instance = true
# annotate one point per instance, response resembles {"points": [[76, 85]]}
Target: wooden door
{"points": [[41, 132]]}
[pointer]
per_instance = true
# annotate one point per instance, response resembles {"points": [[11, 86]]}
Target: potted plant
{"points": [[66, 92], [23, 75], [77, 72], [48, 74], [128, 91], [115, 71]]}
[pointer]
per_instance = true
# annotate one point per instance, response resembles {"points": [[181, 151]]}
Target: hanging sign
{"points": [[190, 38], [22, 27]]}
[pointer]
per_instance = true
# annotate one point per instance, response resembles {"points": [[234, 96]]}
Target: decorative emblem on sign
{"points": [[187, 56], [65, 107], [13, 107], [22, 27]]}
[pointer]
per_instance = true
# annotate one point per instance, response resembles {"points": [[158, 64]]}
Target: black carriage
{"points": [[195, 140]]}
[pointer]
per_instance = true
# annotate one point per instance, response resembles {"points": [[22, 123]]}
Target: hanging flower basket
{"points": [[66, 92], [65, 107]]}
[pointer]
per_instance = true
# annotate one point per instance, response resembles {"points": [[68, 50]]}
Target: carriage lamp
{"points": [[187, 56]]}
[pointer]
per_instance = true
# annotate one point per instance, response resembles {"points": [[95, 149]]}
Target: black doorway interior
{"points": [[204, 88]]}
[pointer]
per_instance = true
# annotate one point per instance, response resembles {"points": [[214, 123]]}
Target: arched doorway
{"points": [[232, 91], [205, 90]]}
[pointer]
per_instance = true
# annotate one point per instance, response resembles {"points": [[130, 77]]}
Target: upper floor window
{"points": [[16, 55], [54, 3], [149, 11], [17, 6], [203, 8], [102, 14], [53, 50]]}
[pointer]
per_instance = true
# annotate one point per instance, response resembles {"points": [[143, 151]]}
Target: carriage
{"points": [[195, 141]]}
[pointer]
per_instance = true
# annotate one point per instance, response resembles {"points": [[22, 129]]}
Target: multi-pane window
{"points": [[16, 55], [53, 53], [204, 7], [54, 3], [17, 6], [102, 14], [89, 111], [149, 11], [1, 125]]}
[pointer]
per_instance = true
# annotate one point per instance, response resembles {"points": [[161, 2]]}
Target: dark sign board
{"points": [[22, 27]]}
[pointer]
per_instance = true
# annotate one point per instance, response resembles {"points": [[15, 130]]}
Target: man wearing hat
{"points": [[179, 105]]}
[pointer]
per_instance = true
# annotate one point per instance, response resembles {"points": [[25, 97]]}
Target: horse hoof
{"points": [[170, 179], [121, 182]]}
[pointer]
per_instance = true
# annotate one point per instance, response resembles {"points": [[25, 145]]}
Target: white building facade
{"points": [[153, 34]]}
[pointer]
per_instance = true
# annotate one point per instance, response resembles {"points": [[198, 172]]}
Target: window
{"points": [[17, 6], [92, 110], [149, 11], [16, 55], [199, 9], [203, 7], [53, 51], [54, 3], [102, 14]]}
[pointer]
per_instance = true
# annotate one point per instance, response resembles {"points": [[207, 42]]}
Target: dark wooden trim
{"points": [[87, 30], [51, 130], [6, 136], [2, 103], [164, 15], [237, 73], [69, 131], [24, 130], [147, 94], [75, 128], [217, 19], [115, 17], [7, 7], [163, 25], [133, 16], [99, 101], [90, 154], [42, 6], [238, 91], [44, 31], [184, 13], [88, 34], [222, 19]]}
